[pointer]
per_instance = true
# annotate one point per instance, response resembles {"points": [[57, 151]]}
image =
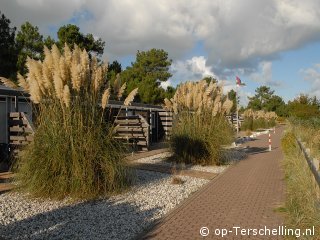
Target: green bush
{"points": [[197, 138]]}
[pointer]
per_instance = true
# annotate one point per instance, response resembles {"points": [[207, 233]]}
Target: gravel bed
{"points": [[118, 217], [231, 155]]}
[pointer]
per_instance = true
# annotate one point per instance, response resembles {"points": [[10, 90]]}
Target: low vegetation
{"points": [[254, 120], [200, 127], [73, 152], [303, 193], [308, 130]]}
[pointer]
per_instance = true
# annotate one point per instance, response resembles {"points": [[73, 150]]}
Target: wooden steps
{"points": [[5, 184], [166, 119], [134, 130], [21, 131]]}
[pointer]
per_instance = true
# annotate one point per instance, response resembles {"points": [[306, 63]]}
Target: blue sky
{"points": [[274, 43]]}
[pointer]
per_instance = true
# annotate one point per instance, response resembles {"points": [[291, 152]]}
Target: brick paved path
{"points": [[245, 196]]}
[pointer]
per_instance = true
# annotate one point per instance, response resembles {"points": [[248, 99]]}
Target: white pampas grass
{"points": [[105, 98], [116, 84], [22, 82], [7, 82], [199, 97], [130, 97], [227, 105], [66, 96], [121, 91], [58, 85], [168, 104]]}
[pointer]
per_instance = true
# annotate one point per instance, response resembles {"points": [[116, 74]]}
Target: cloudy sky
{"points": [[265, 42]]}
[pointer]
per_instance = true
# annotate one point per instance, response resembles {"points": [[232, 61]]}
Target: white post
{"points": [[237, 110], [269, 141]]}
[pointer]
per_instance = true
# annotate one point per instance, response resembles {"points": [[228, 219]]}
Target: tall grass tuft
{"points": [[303, 194], [254, 120], [199, 128], [73, 152]]}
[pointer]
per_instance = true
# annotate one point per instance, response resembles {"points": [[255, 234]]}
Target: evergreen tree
{"points": [[8, 51], [147, 72], [30, 44]]}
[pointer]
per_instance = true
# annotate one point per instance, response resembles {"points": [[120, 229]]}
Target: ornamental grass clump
{"points": [[73, 152], [254, 120], [200, 127]]}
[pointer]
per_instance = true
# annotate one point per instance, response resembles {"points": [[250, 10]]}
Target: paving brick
{"points": [[245, 196]]}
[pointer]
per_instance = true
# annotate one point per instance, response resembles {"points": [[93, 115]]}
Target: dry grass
{"points": [[199, 128], [199, 97], [73, 152], [309, 132], [177, 180], [258, 119], [303, 193], [175, 176]]}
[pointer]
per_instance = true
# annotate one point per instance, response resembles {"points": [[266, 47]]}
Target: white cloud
{"points": [[236, 34], [264, 75], [190, 70], [42, 13], [312, 75]]}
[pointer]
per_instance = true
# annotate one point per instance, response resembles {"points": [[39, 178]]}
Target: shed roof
{"points": [[7, 91]]}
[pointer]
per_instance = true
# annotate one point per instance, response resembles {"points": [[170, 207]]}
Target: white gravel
{"points": [[119, 217], [160, 159]]}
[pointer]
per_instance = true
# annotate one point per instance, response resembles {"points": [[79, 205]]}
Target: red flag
{"points": [[238, 81]]}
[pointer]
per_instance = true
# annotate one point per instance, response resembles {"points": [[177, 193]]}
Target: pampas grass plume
{"points": [[130, 97], [105, 98], [7, 82], [66, 96], [121, 91], [22, 82]]}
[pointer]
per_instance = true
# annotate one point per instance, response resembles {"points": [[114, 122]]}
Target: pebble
{"points": [[121, 216]]}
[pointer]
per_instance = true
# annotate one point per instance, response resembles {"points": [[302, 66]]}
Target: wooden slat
{"points": [[131, 121], [130, 128], [127, 117], [162, 118], [19, 129], [17, 138], [131, 135], [19, 142], [169, 124], [165, 113], [14, 114], [144, 126]]}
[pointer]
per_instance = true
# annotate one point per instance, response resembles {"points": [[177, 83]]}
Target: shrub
{"points": [[247, 124], [258, 119], [197, 139], [73, 152], [199, 128]]}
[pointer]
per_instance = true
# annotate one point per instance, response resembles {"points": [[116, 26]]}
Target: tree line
{"points": [[150, 69], [303, 106], [147, 72]]}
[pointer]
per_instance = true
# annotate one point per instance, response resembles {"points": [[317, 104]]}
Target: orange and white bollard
{"points": [[269, 141], [274, 130]]}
